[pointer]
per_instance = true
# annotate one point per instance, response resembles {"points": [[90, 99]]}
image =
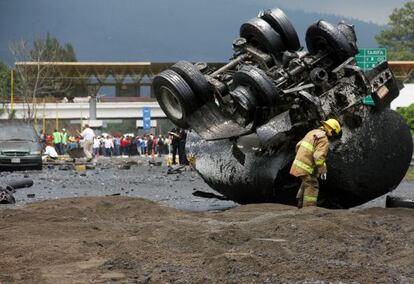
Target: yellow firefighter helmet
{"points": [[332, 124]]}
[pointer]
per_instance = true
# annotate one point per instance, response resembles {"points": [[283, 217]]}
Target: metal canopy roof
{"points": [[84, 70], [402, 69], [102, 71]]}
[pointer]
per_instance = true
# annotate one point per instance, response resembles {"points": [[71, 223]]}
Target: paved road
{"points": [[149, 182]]}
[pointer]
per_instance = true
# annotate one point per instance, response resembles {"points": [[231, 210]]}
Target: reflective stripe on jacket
{"points": [[311, 154]]}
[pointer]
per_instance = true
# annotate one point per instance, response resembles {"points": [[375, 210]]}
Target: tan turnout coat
{"points": [[311, 154]]}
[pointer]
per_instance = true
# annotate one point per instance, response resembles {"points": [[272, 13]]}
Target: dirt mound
{"points": [[131, 240]]}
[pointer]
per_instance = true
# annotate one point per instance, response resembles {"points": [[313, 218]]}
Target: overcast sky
{"points": [[170, 30], [376, 11]]}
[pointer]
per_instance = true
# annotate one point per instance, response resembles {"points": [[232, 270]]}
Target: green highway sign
{"points": [[368, 58]]}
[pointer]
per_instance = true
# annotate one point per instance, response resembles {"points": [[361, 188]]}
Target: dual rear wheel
{"points": [[271, 32], [180, 91]]}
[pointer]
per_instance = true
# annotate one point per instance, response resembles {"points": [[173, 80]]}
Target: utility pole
{"points": [[44, 117], [57, 117], [11, 92], [35, 115]]}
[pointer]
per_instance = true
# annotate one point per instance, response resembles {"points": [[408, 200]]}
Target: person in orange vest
{"points": [[310, 161]]}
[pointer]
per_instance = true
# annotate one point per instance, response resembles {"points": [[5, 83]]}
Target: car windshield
{"points": [[19, 132]]}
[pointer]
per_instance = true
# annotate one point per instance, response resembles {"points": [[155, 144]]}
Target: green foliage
{"points": [[399, 38], [408, 114], [410, 174], [49, 49], [4, 82]]}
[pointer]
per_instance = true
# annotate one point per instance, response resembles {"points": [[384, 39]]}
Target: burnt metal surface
{"points": [[361, 165], [211, 124], [251, 182], [267, 98]]}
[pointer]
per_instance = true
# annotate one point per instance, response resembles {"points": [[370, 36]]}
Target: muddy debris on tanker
{"points": [[248, 115]]}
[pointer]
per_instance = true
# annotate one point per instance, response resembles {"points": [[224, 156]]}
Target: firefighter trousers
{"points": [[308, 191]]}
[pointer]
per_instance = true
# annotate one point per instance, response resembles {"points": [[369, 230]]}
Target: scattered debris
{"points": [[154, 163], [131, 163], [6, 195], [66, 167], [124, 167], [6, 192], [80, 168], [394, 201], [90, 166], [177, 170], [204, 194]]}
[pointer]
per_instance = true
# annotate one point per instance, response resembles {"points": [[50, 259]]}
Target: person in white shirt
{"points": [[109, 145], [50, 152], [88, 134], [96, 145]]}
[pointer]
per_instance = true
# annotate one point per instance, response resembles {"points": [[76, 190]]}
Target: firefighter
{"points": [[310, 161]]}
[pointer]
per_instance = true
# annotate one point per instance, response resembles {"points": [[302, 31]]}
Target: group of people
{"points": [[125, 145], [60, 142], [147, 145]]}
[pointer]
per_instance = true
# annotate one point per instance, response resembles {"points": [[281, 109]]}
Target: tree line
{"points": [[39, 80]]}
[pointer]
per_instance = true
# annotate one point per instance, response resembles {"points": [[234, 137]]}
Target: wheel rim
{"points": [[171, 103]]}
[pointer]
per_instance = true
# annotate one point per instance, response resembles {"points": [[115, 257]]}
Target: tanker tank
{"points": [[247, 116]]}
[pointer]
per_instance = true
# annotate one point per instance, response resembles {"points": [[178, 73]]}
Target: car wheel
{"points": [[324, 36], [175, 97], [261, 35], [265, 91], [278, 20], [195, 79]]}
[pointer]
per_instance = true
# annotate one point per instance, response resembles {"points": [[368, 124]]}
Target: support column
{"points": [[138, 89], [93, 92], [92, 108]]}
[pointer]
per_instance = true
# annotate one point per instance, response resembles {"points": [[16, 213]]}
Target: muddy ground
{"points": [[125, 239]]}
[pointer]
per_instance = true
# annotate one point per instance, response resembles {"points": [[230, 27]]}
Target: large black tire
{"points": [[280, 22], [265, 90], [195, 79], [261, 35], [175, 97], [324, 36]]}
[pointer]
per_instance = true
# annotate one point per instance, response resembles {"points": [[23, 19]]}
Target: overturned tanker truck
{"points": [[247, 116]]}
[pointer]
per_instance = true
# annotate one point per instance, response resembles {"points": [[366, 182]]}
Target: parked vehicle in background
{"points": [[19, 146]]}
